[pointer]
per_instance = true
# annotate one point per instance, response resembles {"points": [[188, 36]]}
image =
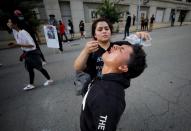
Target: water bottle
{"points": [[134, 39]]}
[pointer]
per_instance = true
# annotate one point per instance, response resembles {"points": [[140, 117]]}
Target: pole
{"points": [[138, 14]]}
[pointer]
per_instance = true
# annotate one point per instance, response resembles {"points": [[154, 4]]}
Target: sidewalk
{"points": [[4, 44]]}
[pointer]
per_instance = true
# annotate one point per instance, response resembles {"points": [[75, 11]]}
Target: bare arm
{"points": [[143, 35], [19, 45], [81, 60]]}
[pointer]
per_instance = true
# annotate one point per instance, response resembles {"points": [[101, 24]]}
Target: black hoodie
{"points": [[104, 103]]}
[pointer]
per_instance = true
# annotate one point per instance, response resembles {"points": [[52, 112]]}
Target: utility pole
{"points": [[138, 14]]}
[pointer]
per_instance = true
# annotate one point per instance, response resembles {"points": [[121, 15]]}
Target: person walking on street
{"points": [[31, 54], [52, 21], [181, 19], [62, 31], [81, 27], [127, 26], [31, 30], [142, 23], [152, 19], [172, 19], [71, 29], [104, 102]]}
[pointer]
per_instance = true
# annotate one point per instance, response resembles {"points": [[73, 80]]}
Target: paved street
{"points": [[158, 100]]}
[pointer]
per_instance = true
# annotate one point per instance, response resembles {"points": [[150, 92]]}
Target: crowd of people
{"points": [[145, 26]]}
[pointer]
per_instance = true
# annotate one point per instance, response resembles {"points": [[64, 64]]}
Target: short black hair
{"points": [[137, 61], [51, 15], [15, 20], [94, 25]]}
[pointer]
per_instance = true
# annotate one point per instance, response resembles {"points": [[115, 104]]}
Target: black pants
{"points": [[64, 36], [31, 74], [41, 55], [60, 42], [172, 22], [126, 33], [33, 61]]}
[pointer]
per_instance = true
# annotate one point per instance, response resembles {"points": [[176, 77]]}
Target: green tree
{"points": [[109, 9]]}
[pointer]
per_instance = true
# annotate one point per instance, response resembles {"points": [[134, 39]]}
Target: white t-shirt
{"points": [[15, 34], [24, 38]]}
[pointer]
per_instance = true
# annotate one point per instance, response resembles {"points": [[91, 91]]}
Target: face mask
{"points": [[21, 18]]}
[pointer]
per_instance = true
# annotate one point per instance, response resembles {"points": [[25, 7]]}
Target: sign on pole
{"points": [[51, 36]]}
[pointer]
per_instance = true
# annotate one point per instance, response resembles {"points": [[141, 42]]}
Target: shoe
{"points": [[44, 63], [60, 52], [29, 87], [48, 82]]}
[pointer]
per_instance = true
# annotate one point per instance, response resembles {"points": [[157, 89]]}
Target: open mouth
{"points": [[110, 51]]}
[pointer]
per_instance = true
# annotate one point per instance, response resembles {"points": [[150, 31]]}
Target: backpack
{"points": [[81, 82]]}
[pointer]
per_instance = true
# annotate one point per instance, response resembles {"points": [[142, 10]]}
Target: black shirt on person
{"points": [[104, 103]]}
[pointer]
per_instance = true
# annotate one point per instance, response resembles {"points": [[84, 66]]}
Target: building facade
{"points": [[77, 10]]}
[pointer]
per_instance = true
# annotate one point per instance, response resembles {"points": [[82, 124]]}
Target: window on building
{"points": [[93, 14]]}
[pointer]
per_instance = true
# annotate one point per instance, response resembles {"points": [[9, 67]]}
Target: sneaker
{"points": [[29, 87], [60, 52], [44, 63], [48, 82]]}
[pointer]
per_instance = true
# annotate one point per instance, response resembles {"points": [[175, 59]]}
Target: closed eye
{"points": [[121, 49]]}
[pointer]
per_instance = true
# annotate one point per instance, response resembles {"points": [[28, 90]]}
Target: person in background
{"points": [[62, 31], [152, 19], [146, 22], [134, 18], [104, 102], [172, 19], [127, 26], [181, 18], [31, 54], [142, 23], [81, 27], [71, 28], [52, 21], [31, 30]]}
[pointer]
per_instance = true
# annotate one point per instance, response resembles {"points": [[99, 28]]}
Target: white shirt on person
{"points": [[24, 38], [15, 34]]}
